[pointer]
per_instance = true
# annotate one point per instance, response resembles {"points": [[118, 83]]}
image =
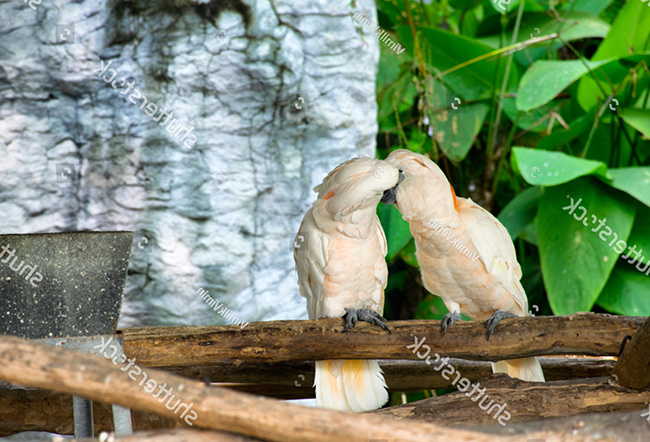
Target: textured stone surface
{"points": [[278, 93]]}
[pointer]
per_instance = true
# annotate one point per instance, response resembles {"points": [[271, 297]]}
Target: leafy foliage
{"points": [[528, 106]]}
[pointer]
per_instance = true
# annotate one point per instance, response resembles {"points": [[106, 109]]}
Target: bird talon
{"points": [[448, 320], [491, 323]]}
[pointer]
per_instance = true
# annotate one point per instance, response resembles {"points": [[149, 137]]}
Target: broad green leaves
{"points": [[629, 33], [628, 290], [547, 78], [576, 254], [396, 229], [633, 180], [541, 167], [638, 119], [443, 51], [520, 211]]}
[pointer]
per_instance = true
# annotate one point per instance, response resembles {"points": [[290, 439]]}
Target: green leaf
{"points": [[638, 119], [595, 7], [547, 78], [456, 131], [574, 26], [576, 258], [628, 290], [632, 180], [443, 51], [629, 33], [545, 168], [609, 75], [408, 255], [396, 229], [521, 211]]}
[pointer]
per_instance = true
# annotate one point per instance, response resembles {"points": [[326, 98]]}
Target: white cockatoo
{"points": [[340, 254], [465, 254]]}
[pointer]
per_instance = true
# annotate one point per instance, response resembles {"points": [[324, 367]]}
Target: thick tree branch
{"points": [[281, 341], [526, 401]]}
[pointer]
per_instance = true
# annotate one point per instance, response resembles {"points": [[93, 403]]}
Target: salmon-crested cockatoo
{"points": [[465, 254], [340, 254]]}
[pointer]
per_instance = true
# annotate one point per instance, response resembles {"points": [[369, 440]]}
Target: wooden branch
{"points": [[620, 427], [633, 367], [526, 401], [280, 341], [42, 410], [180, 435], [37, 365]]}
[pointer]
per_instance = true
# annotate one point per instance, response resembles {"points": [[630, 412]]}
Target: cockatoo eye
{"points": [[400, 176]]}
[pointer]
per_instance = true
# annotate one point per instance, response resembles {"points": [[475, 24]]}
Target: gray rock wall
{"points": [[267, 97]]}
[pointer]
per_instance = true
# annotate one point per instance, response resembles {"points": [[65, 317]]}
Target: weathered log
{"points": [[43, 410], [618, 427], [180, 435], [280, 341], [37, 365], [621, 427], [526, 401], [633, 366]]}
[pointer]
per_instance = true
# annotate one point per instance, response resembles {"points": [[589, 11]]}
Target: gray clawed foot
{"points": [[352, 316], [495, 319], [449, 319]]}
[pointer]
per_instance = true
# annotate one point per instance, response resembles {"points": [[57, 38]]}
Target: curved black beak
{"points": [[389, 195]]}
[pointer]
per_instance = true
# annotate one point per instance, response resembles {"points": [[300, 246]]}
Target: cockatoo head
{"points": [[425, 189], [355, 186]]}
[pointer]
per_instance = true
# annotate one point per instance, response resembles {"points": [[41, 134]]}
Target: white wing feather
{"points": [[494, 245]]}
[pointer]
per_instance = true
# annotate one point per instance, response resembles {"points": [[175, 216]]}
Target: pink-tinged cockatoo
{"points": [[465, 254], [340, 254]]}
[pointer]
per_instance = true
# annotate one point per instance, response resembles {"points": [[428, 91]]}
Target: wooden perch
{"points": [[281, 341], [180, 435], [37, 365], [633, 367], [526, 401], [42, 410]]}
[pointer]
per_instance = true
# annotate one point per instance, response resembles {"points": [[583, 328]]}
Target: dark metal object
{"points": [[80, 289], [64, 289]]}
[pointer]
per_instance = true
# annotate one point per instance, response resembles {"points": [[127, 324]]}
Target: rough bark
{"points": [[279, 341], [37, 365], [42, 410], [526, 401], [633, 366]]}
